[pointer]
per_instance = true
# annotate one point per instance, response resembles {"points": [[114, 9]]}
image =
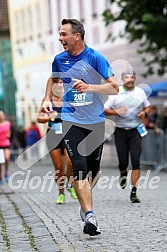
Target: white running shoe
{"points": [[91, 226]]}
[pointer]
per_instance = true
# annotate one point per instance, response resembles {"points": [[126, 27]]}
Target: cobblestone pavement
{"points": [[30, 220]]}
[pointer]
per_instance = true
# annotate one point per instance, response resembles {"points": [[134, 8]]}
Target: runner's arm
{"points": [[108, 88], [46, 106], [42, 117], [111, 111]]}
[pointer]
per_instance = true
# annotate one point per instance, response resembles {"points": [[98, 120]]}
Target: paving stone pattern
{"points": [[31, 220]]}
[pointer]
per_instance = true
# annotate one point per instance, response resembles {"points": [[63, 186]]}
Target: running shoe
{"points": [[82, 213], [91, 226], [72, 192], [60, 198], [123, 181], [134, 198]]}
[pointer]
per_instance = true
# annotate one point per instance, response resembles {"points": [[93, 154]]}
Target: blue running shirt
{"points": [[91, 67]]}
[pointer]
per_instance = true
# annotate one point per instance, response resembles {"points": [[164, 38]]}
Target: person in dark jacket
{"points": [[161, 122]]}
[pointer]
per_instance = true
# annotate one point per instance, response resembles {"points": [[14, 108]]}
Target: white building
{"points": [[34, 26]]}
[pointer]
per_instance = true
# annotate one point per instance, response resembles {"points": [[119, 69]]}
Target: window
{"points": [[81, 10], [58, 11], [17, 27], [69, 8], [29, 114], [107, 4], [96, 38], [27, 81], [30, 23], [23, 28], [94, 9], [38, 19], [50, 16]]}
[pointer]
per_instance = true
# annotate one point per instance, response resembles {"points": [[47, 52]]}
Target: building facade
{"points": [[7, 82], [34, 30]]}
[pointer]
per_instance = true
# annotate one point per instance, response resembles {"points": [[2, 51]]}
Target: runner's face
{"points": [[129, 80], [66, 38]]}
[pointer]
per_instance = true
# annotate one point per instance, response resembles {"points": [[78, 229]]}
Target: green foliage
{"points": [[146, 22]]}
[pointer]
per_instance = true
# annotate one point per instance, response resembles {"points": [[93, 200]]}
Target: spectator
{"points": [[161, 122], [151, 117], [20, 136], [32, 136], [5, 132], [21, 140]]}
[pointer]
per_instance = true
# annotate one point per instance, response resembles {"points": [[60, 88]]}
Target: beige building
{"points": [[29, 30]]}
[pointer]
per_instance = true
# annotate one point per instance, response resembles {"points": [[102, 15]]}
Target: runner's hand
{"points": [[46, 106], [80, 85]]}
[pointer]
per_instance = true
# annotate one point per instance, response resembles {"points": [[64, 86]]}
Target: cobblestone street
{"points": [[30, 219]]}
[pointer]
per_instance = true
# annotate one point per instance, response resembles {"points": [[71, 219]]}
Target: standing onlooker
{"points": [[20, 140], [129, 108], [5, 131], [57, 151], [32, 136], [82, 110], [151, 117], [161, 122]]}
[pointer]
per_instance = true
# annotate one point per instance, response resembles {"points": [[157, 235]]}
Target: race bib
{"points": [[79, 99]]}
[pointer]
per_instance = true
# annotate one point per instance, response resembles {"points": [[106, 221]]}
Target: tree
{"points": [[146, 22]]}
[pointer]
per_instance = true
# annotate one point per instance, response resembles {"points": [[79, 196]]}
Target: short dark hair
{"points": [[129, 71], [76, 25]]}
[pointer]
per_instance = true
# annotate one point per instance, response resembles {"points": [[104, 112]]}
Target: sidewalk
{"points": [[30, 220]]}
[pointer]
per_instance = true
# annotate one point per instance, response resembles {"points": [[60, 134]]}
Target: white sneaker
{"points": [[91, 226]]}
